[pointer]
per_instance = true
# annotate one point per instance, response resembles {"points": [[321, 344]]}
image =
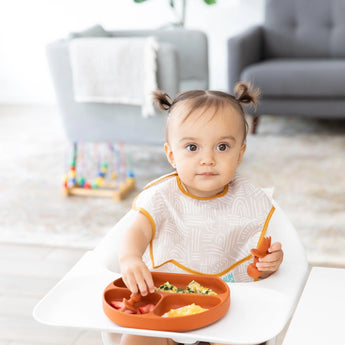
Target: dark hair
{"points": [[246, 94]]}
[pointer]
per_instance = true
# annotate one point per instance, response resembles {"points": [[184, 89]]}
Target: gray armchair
{"points": [[182, 63], [296, 57]]}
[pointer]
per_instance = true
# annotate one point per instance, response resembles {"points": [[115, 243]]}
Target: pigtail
{"points": [[162, 100], [246, 93]]}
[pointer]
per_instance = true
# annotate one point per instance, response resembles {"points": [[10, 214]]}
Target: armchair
{"points": [[182, 63], [296, 58]]}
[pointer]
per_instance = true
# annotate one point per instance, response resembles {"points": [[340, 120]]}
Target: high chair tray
{"points": [[160, 302], [258, 312]]}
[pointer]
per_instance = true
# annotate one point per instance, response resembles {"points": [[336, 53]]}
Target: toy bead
{"points": [[101, 174], [87, 185], [114, 176], [130, 174], [71, 182], [82, 181], [99, 181], [94, 186]]}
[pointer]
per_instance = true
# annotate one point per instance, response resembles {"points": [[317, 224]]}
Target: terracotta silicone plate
{"points": [[216, 305]]}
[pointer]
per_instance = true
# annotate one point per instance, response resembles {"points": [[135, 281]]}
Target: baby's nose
{"points": [[207, 158]]}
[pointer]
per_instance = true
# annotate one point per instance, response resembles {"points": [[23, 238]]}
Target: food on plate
{"points": [[192, 287], [147, 308], [130, 306], [117, 304], [168, 287], [195, 287], [120, 306], [189, 309], [135, 305]]}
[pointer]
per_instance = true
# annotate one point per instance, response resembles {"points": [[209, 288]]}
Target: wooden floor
{"points": [[27, 273]]}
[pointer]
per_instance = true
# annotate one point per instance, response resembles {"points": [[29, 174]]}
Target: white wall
{"points": [[26, 26]]}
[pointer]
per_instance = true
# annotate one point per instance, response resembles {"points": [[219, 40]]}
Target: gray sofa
{"points": [[296, 57], [182, 63]]}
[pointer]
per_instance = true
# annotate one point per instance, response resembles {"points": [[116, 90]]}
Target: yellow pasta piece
{"points": [[190, 309]]}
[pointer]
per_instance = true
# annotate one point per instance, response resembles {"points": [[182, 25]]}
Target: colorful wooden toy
{"points": [[99, 170]]}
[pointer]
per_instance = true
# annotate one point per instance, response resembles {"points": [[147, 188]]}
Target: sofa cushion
{"points": [[298, 78], [304, 28]]}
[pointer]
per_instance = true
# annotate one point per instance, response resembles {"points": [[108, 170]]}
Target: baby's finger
{"points": [[142, 285], [275, 256], [267, 266], [131, 283], [276, 246], [144, 280], [271, 262], [149, 281]]}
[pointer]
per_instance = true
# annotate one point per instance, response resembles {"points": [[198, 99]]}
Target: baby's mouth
{"points": [[207, 174]]}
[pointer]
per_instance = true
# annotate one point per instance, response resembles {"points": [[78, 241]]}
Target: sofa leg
{"points": [[255, 123]]}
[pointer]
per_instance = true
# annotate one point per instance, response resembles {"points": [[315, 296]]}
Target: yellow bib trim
{"points": [[183, 190], [160, 179]]}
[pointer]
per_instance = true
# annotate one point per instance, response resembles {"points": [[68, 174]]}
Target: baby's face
{"points": [[205, 149]]}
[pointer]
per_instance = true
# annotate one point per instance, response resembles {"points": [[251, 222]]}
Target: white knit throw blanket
{"points": [[115, 70]]}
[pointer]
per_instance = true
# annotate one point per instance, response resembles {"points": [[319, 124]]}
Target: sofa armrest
{"points": [[168, 69], [244, 49], [57, 53]]}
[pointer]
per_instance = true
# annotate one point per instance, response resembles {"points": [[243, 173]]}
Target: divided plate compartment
{"points": [[216, 305]]}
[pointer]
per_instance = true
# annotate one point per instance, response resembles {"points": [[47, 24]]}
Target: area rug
{"points": [[303, 159]]}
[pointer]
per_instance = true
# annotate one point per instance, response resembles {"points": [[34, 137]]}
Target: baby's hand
{"points": [[271, 262], [136, 276]]}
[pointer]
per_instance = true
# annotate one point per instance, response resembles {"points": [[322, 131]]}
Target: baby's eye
{"points": [[223, 147], [191, 147]]}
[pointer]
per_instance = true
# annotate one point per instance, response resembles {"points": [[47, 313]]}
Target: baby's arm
{"points": [[271, 262], [135, 273]]}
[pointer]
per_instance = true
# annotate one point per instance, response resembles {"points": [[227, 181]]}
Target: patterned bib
{"points": [[210, 236]]}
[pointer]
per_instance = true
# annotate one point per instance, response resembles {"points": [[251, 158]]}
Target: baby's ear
{"points": [[170, 155], [241, 154]]}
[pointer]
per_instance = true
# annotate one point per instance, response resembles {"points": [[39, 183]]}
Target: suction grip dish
{"points": [[216, 305]]}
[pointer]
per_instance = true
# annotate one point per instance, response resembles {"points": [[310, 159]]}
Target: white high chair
{"points": [[258, 310]]}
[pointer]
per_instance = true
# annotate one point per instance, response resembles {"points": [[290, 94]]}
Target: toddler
{"points": [[203, 218]]}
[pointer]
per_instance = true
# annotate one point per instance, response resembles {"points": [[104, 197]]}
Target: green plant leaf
{"points": [[139, 1], [210, 2]]}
